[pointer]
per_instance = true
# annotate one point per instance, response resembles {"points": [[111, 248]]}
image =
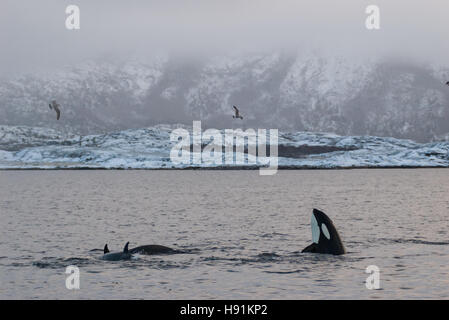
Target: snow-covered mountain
{"points": [[149, 148], [302, 92]]}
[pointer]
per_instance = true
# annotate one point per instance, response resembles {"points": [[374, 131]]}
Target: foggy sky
{"points": [[33, 34]]}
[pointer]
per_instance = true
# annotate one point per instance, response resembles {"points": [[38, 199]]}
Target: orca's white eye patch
{"points": [[325, 231], [315, 230]]}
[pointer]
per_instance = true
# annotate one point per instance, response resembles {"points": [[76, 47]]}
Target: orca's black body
{"points": [[324, 235], [153, 249]]}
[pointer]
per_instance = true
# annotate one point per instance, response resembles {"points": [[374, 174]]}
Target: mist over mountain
{"points": [[291, 92]]}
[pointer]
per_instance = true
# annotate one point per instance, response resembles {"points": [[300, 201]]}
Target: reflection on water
{"points": [[242, 233]]}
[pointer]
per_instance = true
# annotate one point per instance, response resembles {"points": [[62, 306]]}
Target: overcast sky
{"points": [[33, 33]]}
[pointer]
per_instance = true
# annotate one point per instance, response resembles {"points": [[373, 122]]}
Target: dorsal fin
{"points": [[106, 249], [125, 249]]}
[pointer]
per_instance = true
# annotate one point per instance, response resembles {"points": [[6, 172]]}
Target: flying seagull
{"points": [[55, 106], [237, 113]]}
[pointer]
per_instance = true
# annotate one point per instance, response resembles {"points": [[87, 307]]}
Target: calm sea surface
{"points": [[242, 232]]}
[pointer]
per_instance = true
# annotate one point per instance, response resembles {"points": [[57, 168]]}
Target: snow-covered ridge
{"points": [[149, 148], [295, 92]]}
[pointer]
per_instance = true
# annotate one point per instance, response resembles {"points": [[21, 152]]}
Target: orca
{"points": [[324, 236], [116, 256], [153, 249]]}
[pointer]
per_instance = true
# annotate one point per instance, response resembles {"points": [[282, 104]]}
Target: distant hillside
{"points": [[298, 93]]}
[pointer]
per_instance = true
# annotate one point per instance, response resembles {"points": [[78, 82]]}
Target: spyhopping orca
{"points": [[324, 235], [447, 83], [116, 256], [55, 106], [237, 113]]}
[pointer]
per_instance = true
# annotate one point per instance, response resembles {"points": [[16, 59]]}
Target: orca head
{"points": [[106, 249], [324, 235], [125, 249]]}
